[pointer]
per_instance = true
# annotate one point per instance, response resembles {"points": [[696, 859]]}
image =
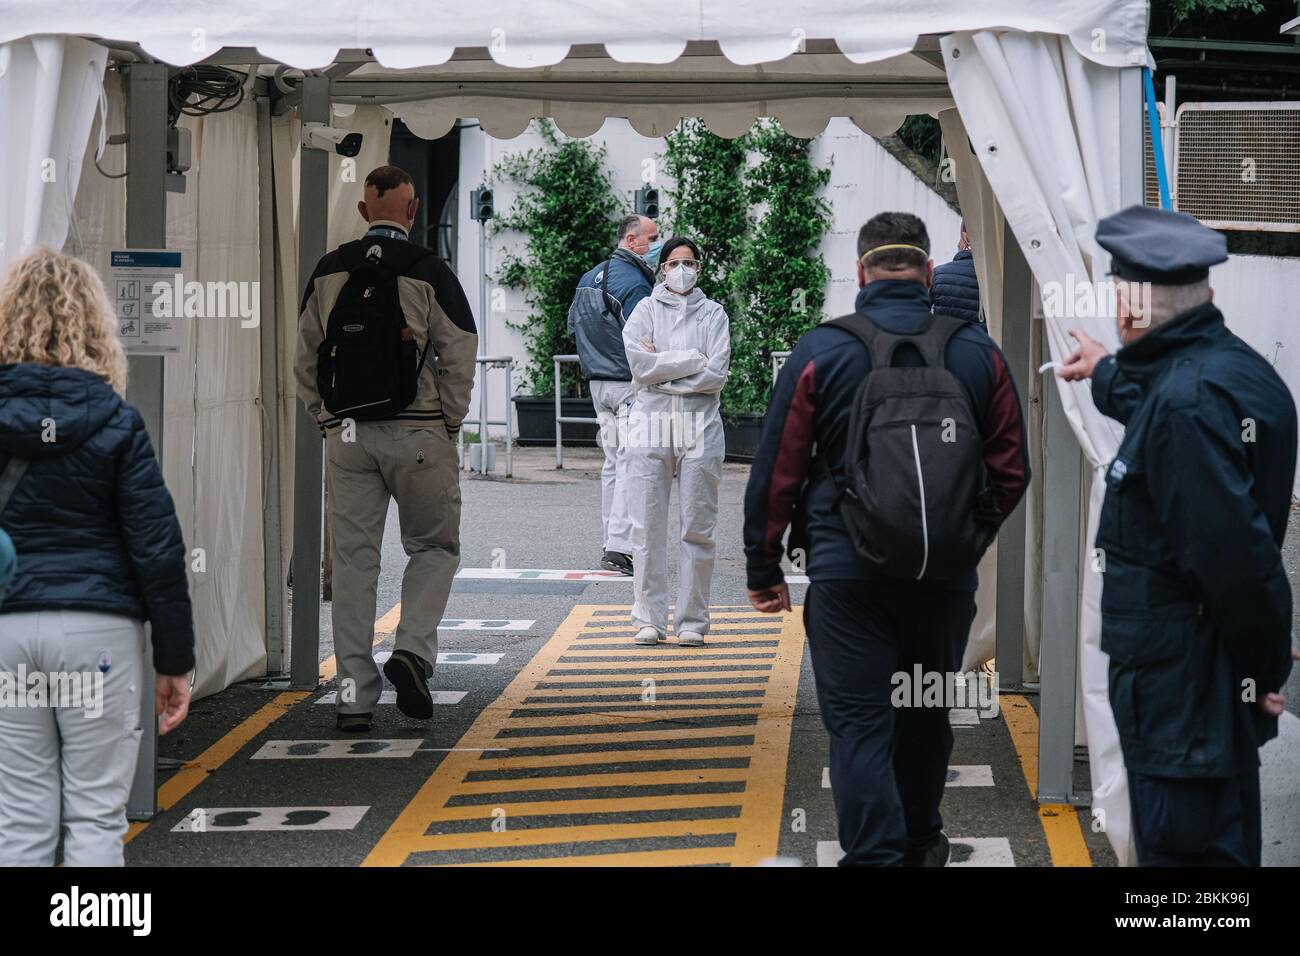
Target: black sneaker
{"points": [[617, 561], [410, 674], [937, 853], [353, 723]]}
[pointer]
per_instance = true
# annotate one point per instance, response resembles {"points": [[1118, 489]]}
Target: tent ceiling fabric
{"points": [[802, 92], [538, 33]]}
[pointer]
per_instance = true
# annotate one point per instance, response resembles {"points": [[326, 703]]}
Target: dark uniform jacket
{"points": [[1195, 599], [810, 409]]}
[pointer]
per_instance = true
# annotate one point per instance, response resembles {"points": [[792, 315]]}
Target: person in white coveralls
{"points": [[679, 350]]}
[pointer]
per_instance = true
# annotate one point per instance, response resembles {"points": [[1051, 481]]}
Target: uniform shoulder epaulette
{"points": [[1183, 382]]}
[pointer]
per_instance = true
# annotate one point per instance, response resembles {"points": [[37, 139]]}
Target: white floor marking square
{"points": [[970, 776], [280, 819], [984, 851], [485, 624], [450, 657], [958, 776], [387, 697], [326, 749], [829, 853], [964, 717], [540, 574]]}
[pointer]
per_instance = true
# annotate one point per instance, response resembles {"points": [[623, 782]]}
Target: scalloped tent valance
{"points": [[526, 34]]}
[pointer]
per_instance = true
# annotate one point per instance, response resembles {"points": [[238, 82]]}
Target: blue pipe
{"points": [[1157, 145]]}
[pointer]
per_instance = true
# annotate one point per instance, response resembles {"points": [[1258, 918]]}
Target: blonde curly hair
{"points": [[54, 310]]}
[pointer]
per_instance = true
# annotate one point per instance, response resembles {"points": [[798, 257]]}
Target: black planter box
{"points": [[743, 430], [535, 417]]}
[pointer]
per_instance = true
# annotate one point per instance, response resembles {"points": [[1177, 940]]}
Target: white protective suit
{"points": [[675, 430]]}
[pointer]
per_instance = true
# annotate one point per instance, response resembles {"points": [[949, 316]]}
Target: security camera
{"points": [[341, 141]]}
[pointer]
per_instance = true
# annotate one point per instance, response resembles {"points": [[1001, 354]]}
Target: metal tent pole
{"points": [[313, 222], [146, 228], [1017, 331]]}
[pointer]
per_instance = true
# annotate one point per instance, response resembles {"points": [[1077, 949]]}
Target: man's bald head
{"points": [[637, 232], [390, 195]]}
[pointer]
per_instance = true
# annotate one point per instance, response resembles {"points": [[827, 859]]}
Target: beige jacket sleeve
{"points": [[454, 339]]}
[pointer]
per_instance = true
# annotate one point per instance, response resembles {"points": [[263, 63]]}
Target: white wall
{"points": [[865, 180], [1257, 295]]}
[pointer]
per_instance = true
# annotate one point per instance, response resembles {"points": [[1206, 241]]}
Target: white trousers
{"points": [[651, 475], [68, 767], [612, 401]]}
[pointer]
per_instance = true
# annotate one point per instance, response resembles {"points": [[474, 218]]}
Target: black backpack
{"points": [[915, 504], [368, 367]]}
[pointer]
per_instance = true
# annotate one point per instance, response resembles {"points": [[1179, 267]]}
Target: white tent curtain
{"points": [[985, 226], [211, 450], [49, 88], [1044, 122]]}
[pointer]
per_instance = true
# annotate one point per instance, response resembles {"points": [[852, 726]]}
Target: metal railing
{"points": [[560, 419], [483, 423]]}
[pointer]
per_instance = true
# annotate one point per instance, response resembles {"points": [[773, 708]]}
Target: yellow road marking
{"points": [[758, 790], [598, 805], [1060, 821], [383, 627], [703, 855]]}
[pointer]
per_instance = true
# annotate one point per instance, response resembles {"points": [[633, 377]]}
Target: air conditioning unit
{"points": [[1237, 165]]}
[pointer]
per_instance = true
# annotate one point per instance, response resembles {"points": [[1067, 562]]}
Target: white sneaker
{"points": [[689, 639], [647, 635]]}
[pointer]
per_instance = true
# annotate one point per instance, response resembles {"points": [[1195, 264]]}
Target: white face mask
{"points": [[680, 279]]}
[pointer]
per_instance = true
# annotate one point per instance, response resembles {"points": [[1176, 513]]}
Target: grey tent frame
{"points": [[1064, 478]]}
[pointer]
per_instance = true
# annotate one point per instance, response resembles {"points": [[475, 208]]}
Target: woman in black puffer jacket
{"points": [[99, 554]]}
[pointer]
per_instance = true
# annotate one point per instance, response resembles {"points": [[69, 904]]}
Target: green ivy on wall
{"points": [[779, 285], [708, 203], [754, 204], [568, 210]]}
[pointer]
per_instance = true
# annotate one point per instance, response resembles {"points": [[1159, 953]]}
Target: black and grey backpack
{"points": [[368, 366], [913, 458]]}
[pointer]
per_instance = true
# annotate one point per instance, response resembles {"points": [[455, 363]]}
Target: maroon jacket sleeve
{"points": [[1006, 449], [780, 468]]}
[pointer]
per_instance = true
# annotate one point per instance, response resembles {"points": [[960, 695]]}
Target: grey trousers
{"points": [[67, 764], [416, 466]]}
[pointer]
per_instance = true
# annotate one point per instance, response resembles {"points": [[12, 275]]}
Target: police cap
{"points": [[1160, 246]]}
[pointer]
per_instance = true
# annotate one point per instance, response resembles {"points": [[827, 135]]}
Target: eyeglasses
{"points": [[689, 263]]}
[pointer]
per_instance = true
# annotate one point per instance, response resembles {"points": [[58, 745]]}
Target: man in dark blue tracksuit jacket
{"points": [[887, 766], [631, 278], [1195, 603]]}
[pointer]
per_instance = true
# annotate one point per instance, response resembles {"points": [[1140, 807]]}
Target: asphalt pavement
{"points": [[556, 741]]}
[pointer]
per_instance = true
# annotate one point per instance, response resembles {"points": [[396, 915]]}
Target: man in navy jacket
{"points": [[888, 765], [956, 288]]}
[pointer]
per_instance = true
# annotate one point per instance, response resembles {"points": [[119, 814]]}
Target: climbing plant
{"points": [[779, 283], [708, 202], [568, 210]]}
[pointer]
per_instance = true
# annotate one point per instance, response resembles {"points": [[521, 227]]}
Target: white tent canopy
{"points": [[1047, 96], [525, 34]]}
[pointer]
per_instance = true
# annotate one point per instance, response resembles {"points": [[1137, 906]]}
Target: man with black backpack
{"points": [[602, 303], [386, 349], [893, 447]]}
